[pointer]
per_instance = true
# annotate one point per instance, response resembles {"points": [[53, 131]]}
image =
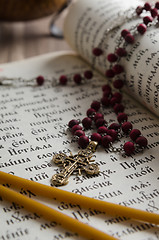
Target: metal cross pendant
{"points": [[75, 163]]}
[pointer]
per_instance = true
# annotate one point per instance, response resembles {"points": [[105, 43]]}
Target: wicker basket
{"points": [[24, 10]]}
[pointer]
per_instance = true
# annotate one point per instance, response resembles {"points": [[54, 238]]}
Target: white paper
{"points": [[33, 125]]}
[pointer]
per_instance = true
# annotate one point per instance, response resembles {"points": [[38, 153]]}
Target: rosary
{"points": [[105, 135]]}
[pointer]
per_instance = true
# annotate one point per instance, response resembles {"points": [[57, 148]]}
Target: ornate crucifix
{"points": [[75, 163]]}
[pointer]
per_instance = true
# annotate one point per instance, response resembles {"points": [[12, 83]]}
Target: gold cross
{"points": [[75, 163]]}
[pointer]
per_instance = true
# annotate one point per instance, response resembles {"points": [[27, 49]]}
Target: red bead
{"points": [[106, 140], [142, 141], [134, 134], [105, 101], [129, 148], [102, 130], [124, 32], [118, 95], [118, 84], [96, 137], [121, 52], [83, 141], [79, 133], [107, 91], [75, 128], [130, 38], [112, 57], [115, 126], [126, 127], [63, 80], [88, 74], [113, 134], [113, 101], [107, 94], [154, 12], [72, 123], [139, 10], [100, 122], [157, 5], [87, 122], [98, 116], [147, 6], [110, 73], [141, 28], [147, 19], [118, 69], [97, 52], [118, 108], [95, 105], [122, 117], [91, 112], [106, 88], [77, 78], [40, 80]]}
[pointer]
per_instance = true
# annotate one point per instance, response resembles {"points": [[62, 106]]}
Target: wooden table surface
{"points": [[19, 40]]}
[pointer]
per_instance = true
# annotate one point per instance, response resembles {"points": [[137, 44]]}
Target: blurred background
{"points": [[25, 28]]}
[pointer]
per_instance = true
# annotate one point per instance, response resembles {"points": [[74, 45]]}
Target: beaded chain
{"points": [[106, 135]]}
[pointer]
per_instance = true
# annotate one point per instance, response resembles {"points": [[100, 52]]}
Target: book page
{"points": [[33, 125], [86, 27]]}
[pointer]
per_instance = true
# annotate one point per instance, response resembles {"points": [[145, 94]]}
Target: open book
{"points": [[33, 126]]}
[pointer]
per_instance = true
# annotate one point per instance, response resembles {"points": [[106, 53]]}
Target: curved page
{"points": [[86, 27]]}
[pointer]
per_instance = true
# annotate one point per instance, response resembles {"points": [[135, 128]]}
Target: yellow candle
{"points": [[54, 215], [86, 202]]}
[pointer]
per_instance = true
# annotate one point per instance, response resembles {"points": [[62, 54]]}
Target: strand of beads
{"points": [[77, 78], [106, 135], [40, 80], [115, 70]]}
